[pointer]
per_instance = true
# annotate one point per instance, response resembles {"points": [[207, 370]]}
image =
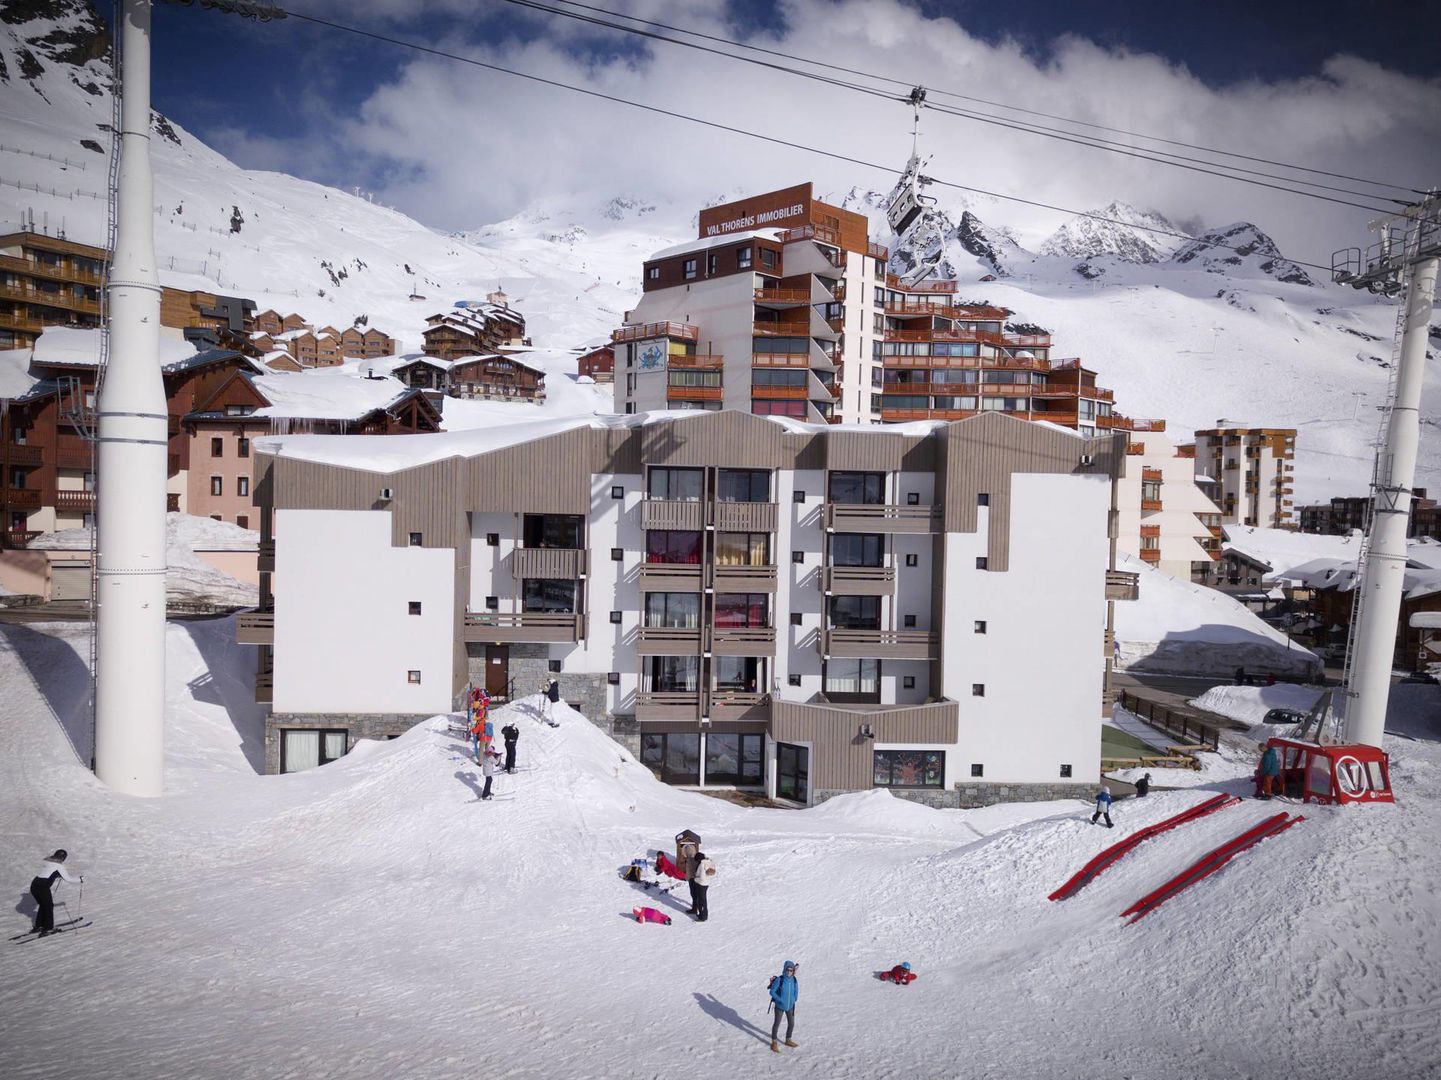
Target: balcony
{"points": [[264, 686], [500, 627], [745, 516], [255, 628], [802, 360], [670, 577], [642, 331], [737, 705], [737, 579], [75, 502], [15, 539], [265, 556], [668, 640], [1123, 585], [881, 644], [882, 518], [691, 361], [694, 393], [1151, 504], [77, 457], [780, 393], [667, 705], [743, 641], [670, 514], [767, 328], [22, 499], [1151, 555], [18, 454], [563, 563], [860, 580], [783, 297]]}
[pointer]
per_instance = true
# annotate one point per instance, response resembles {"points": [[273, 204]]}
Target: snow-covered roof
{"points": [[15, 378], [211, 356], [73, 346], [325, 394], [705, 243], [196, 533]]}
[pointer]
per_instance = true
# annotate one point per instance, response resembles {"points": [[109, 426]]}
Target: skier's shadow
{"points": [[27, 905], [713, 1008], [468, 779]]}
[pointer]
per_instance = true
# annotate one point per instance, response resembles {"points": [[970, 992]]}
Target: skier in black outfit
{"points": [[552, 695], [52, 868], [511, 734]]}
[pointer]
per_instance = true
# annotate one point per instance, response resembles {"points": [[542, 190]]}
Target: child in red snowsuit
{"points": [[901, 975]]}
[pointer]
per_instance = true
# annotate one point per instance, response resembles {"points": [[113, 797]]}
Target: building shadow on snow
{"points": [[724, 1013], [63, 678], [234, 688]]}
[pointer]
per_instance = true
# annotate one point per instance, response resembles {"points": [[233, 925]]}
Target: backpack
{"points": [[631, 873]]}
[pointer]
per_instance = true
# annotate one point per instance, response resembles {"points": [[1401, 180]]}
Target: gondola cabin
{"points": [[1331, 773]]}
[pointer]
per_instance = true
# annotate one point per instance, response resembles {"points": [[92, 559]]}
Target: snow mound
{"points": [[1249, 704]]}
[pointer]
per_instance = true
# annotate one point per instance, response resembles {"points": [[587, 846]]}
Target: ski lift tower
{"points": [[1402, 262]]}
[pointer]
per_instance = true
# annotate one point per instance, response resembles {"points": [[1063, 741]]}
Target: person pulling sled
{"points": [[53, 867]]}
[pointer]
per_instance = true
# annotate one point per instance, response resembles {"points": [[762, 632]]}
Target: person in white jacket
{"points": [[488, 770], [52, 868], [703, 875]]}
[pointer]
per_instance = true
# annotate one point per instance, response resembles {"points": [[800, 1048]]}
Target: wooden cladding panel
{"points": [[737, 439], [841, 760]]}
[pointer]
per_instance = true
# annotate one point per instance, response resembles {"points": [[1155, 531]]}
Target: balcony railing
{"points": [[670, 577], [783, 296], [694, 393], [255, 628], [745, 579], [810, 232], [1123, 585], [641, 331], [743, 641], [939, 286], [75, 501], [767, 328], [1151, 504], [20, 454], [14, 539], [745, 516], [860, 580], [737, 705], [885, 518], [670, 514], [558, 563], [773, 393], [695, 360], [668, 640], [781, 359], [499, 627], [881, 644], [74, 457], [1151, 555], [667, 705], [22, 499]]}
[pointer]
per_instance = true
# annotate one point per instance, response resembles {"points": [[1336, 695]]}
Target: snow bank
{"points": [[1181, 626], [1249, 704]]}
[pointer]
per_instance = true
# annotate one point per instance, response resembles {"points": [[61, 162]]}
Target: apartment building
{"points": [[766, 322], [1250, 470], [1347, 512], [312, 347], [598, 363], [1165, 518], [474, 330], [744, 602], [47, 281]]}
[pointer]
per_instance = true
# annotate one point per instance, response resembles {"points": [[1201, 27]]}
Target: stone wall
{"points": [[530, 674], [359, 725], [966, 796]]}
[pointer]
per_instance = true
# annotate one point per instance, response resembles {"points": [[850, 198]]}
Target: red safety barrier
{"points": [[1209, 864], [1085, 874]]}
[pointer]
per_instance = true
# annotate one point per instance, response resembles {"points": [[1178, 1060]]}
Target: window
{"points": [[554, 595], [857, 488], [980, 626], [694, 378], [217, 447], [615, 617], [414, 607], [741, 610], [217, 485], [740, 674], [242, 485], [617, 555], [552, 530], [242, 447], [671, 674], [553, 666], [652, 273], [797, 618], [978, 689], [300, 750], [913, 498], [847, 680], [734, 758], [909, 621], [742, 549], [910, 768], [981, 563], [761, 407], [880, 296], [1065, 772], [798, 556], [672, 546], [712, 264], [798, 496], [243, 520], [492, 539], [913, 559], [239, 410], [413, 676], [677, 609], [676, 485], [855, 612], [908, 682], [858, 549], [612, 678], [793, 680], [743, 257], [415, 539], [768, 258], [983, 499], [675, 758], [688, 269], [978, 770], [743, 485]]}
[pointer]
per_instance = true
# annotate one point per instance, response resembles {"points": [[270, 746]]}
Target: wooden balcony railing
{"points": [[783, 296], [15, 539], [75, 501], [743, 640], [668, 514], [745, 516], [528, 626], [1123, 585], [641, 331], [695, 360], [669, 577], [667, 705], [881, 644], [695, 393], [852, 517], [668, 640], [780, 393], [860, 580], [767, 328], [255, 628], [555, 563], [22, 499], [744, 579], [19, 454], [781, 359], [735, 704]]}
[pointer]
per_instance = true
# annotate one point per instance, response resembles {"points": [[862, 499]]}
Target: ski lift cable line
{"points": [[1140, 152], [772, 139], [1000, 104]]}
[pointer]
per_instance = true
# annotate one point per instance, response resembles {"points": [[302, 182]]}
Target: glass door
{"points": [[793, 772]]}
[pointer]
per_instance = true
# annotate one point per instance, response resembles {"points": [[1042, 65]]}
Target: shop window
{"points": [[910, 768]]}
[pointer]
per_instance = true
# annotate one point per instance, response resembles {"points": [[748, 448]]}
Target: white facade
{"points": [[1251, 472], [1162, 511]]}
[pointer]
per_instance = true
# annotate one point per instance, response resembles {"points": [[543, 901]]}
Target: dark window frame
{"points": [[891, 760]]}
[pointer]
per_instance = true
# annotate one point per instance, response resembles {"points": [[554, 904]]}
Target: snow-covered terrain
{"points": [[371, 918], [1179, 330]]}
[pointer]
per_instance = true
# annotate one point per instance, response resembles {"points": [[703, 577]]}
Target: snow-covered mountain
{"points": [[1182, 330]]}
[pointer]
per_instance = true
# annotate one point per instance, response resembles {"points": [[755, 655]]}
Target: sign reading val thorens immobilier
{"points": [[752, 221], [790, 206]]}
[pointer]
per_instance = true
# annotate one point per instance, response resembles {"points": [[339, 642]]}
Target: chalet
{"points": [[424, 373], [323, 347], [496, 377], [366, 344], [473, 331], [599, 363]]}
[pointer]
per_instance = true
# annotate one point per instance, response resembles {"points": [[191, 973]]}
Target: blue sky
{"points": [[334, 108]]}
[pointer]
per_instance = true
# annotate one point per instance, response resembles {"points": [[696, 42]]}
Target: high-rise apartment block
{"points": [[1249, 471]]}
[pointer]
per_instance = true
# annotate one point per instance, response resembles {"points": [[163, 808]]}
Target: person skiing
{"points": [[1103, 806], [702, 876], [1270, 771], [487, 769], [1143, 785], [511, 734], [552, 695], [784, 991], [53, 867]]}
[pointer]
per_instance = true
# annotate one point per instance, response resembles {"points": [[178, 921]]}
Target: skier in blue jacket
{"points": [[1103, 806], [784, 991]]}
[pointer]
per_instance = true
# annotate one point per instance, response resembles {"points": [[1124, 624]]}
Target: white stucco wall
{"points": [[1041, 660], [344, 639]]}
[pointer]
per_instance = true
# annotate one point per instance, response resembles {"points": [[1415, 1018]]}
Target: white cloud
{"points": [[473, 146]]}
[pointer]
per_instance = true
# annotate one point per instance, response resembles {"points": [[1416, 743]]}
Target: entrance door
{"points": [[497, 671], [793, 768]]}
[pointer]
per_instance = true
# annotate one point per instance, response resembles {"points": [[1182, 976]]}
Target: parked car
{"points": [[1285, 716]]}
